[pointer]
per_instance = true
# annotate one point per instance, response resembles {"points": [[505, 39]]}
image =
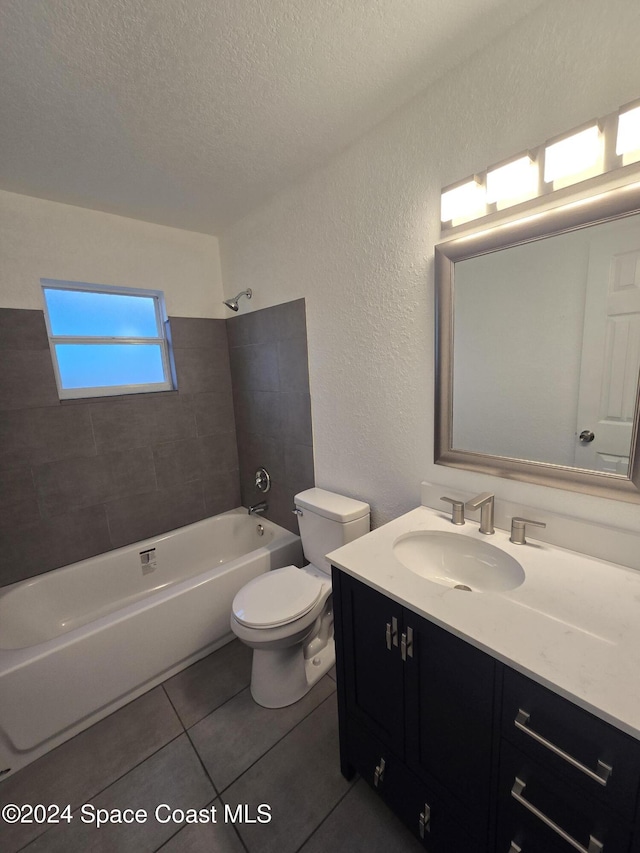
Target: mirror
{"points": [[538, 348]]}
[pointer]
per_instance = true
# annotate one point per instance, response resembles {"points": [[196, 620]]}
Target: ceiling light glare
{"points": [[514, 181], [628, 131], [463, 202], [573, 155]]}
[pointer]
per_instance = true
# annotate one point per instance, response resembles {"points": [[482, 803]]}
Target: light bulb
{"points": [[573, 155]]}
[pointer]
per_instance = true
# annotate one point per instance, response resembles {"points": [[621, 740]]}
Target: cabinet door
{"points": [[423, 813], [449, 695], [431, 819], [371, 625]]}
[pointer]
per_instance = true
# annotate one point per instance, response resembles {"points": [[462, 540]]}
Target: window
{"points": [[106, 340]]}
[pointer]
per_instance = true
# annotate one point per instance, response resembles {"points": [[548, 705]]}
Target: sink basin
{"points": [[457, 561]]}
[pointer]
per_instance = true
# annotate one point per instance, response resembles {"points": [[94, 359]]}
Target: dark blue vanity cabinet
{"points": [[416, 717], [471, 755]]}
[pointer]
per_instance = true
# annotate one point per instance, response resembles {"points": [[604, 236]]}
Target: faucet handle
{"points": [[457, 510], [519, 528]]}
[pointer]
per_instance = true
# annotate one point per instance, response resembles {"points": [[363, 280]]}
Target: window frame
{"points": [[111, 390]]}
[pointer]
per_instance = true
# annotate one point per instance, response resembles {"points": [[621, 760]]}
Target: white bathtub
{"points": [[79, 642]]}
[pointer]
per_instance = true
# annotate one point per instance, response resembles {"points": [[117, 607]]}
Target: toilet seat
{"points": [[277, 598]]}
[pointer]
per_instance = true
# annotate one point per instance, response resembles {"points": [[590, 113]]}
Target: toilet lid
{"points": [[276, 598]]}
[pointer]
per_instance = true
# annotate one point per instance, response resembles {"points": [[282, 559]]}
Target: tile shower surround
{"points": [[270, 373], [83, 477]]}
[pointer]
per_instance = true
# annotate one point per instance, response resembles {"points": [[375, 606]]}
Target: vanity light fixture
{"points": [[513, 181], [628, 139], [573, 155], [601, 146], [463, 201]]}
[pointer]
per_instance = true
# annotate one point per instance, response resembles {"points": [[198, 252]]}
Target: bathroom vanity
{"points": [[492, 722]]}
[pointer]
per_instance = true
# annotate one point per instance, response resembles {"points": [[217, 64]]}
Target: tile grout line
{"points": [[331, 810], [213, 710], [352, 785], [106, 788], [273, 745], [202, 764], [103, 504], [35, 838], [181, 827], [173, 707], [236, 830]]}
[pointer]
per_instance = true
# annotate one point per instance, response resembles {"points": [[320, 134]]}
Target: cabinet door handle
{"points": [[391, 633], [424, 821], [406, 644], [517, 792], [378, 773], [601, 775], [514, 848]]}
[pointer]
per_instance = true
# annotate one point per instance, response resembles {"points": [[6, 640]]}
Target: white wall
{"points": [[44, 239], [356, 240]]}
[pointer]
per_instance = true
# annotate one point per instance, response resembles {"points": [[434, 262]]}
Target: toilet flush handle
{"points": [[297, 511]]}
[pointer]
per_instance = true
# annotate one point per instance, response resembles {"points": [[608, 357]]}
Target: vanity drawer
{"points": [[588, 752], [544, 813]]}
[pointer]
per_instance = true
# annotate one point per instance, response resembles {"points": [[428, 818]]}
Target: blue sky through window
{"points": [[103, 315], [98, 365]]}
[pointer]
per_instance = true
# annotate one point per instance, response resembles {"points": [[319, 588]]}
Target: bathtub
{"points": [[79, 642]]}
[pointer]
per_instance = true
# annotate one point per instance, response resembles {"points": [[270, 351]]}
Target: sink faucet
{"points": [[483, 502], [263, 506]]}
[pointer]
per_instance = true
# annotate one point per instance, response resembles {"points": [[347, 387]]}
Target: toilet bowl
{"points": [[277, 615], [286, 615]]}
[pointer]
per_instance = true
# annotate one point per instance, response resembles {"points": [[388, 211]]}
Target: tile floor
{"points": [[198, 741]]}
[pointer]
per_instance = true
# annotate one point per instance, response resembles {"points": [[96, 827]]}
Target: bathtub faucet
{"points": [[263, 506]]}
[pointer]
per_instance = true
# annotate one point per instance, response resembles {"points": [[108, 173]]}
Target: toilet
{"points": [[286, 615]]}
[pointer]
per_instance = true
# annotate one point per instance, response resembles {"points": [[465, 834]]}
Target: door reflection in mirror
{"points": [[546, 346]]}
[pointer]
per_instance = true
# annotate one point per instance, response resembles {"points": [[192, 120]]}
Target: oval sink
{"points": [[455, 560]]}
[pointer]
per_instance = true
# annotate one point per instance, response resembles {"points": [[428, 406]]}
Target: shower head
{"points": [[233, 303]]}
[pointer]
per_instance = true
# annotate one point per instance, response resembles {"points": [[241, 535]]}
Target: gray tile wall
{"points": [[84, 477], [269, 366]]}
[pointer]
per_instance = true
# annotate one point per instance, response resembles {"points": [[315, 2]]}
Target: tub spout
{"points": [[259, 507]]}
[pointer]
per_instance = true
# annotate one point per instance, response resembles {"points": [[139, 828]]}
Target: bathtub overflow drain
{"points": [[463, 586]]}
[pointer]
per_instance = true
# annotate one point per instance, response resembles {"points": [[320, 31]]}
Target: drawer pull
{"points": [[387, 636], [601, 775], [424, 821], [517, 791], [378, 774]]}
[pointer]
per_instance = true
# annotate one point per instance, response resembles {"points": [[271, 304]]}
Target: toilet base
{"points": [[280, 677]]}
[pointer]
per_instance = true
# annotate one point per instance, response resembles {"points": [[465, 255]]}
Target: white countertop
{"points": [[572, 626]]}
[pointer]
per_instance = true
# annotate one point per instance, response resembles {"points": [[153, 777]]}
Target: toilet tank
{"points": [[327, 521]]}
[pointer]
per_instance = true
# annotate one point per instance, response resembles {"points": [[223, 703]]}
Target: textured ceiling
{"points": [[190, 113]]}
